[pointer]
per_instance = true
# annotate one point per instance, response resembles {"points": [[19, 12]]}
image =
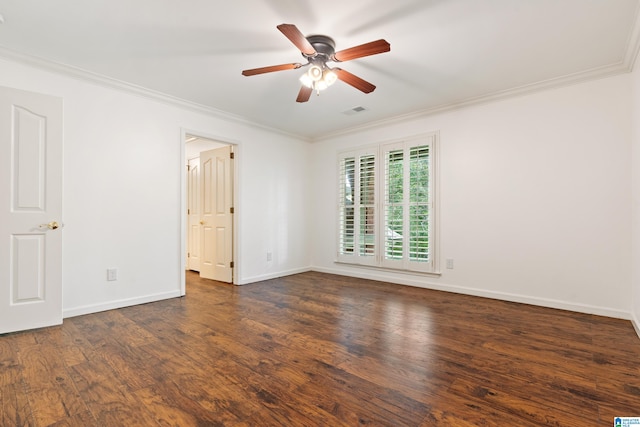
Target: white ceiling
{"points": [[443, 52]]}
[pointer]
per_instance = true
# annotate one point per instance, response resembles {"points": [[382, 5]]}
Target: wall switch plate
{"points": [[112, 274], [269, 256], [450, 263]]}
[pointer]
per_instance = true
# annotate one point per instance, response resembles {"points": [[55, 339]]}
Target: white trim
{"points": [[275, 275], [633, 43], [183, 217], [558, 82], [621, 67], [383, 269], [624, 66], [414, 280], [635, 323], [111, 305], [235, 148], [109, 82]]}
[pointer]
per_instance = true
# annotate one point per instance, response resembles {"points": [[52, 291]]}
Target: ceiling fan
{"points": [[318, 50]]}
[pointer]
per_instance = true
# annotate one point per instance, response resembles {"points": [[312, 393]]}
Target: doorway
{"points": [[210, 189]]}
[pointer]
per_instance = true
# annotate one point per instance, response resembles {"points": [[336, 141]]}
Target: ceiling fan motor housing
{"points": [[325, 48]]}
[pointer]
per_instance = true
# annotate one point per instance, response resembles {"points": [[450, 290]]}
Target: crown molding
{"points": [[111, 83], [633, 43], [624, 66], [593, 74]]}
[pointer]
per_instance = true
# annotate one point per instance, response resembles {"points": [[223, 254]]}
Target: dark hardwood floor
{"points": [[322, 350]]}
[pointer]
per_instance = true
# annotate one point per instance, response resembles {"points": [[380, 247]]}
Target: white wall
{"points": [[535, 195], [535, 198], [122, 192]]}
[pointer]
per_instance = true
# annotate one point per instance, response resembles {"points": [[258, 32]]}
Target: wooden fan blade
{"points": [[354, 80], [297, 38], [304, 94], [367, 49], [270, 69]]}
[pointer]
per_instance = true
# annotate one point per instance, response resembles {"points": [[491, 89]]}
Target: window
{"points": [[387, 214]]}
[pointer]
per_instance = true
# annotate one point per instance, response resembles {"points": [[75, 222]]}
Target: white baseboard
{"points": [[636, 324], [111, 305], [372, 275], [95, 308], [503, 296], [275, 275]]}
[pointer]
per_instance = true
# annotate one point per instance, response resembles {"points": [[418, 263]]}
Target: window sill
{"points": [[437, 273]]}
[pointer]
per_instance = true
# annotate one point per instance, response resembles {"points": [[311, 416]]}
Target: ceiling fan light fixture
{"points": [[321, 85], [318, 77], [329, 77], [315, 73], [306, 80]]}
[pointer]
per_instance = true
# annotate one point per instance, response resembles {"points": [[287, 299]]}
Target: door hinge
{"points": [[231, 264], [188, 168], [232, 210], [232, 155], [188, 211], [188, 255]]}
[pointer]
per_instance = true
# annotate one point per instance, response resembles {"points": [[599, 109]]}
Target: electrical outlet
{"points": [[450, 263], [112, 274], [269, 256]]}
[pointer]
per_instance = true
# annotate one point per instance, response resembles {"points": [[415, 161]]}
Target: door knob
{"points": [[51, 226], [201, 222]]}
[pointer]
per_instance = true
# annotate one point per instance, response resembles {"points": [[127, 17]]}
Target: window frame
{"points": [[378, 259]]}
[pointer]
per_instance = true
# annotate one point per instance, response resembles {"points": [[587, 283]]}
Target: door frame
{"points": [[183, 200], [193, 198]]}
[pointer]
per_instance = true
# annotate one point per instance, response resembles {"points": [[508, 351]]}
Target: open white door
{"points": [[216, 254], [193, 215], [30, 210]]}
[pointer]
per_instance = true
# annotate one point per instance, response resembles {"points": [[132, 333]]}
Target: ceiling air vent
{"points": [[354, 110]]}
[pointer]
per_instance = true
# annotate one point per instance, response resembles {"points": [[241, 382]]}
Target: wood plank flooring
{"points": [[321, 350]]}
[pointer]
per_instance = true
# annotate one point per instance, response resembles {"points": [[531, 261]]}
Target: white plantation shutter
{"points": [[419, 203], [403, 193], [367, 223], [357, 216], [346, 207], [394, 208]]}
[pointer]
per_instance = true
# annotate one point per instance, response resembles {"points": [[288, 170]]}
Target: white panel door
{"points": [[30, 210], [216, 171], [193, 215]]}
